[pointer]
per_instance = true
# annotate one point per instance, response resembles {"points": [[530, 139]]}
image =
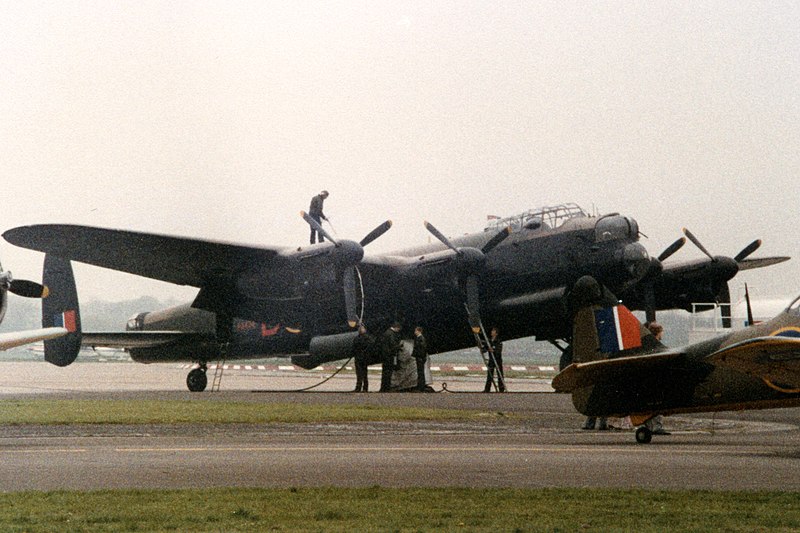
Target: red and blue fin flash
{"points": [[617, 329], [66, 320]]}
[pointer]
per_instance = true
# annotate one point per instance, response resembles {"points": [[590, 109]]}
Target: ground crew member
{"points": [[495, 349], [420, 354], [363, 348], [390, 348], [315, 212], [656, 424]]}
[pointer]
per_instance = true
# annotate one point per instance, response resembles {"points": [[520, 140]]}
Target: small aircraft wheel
{"points": [[197, 380], [643, 435]]}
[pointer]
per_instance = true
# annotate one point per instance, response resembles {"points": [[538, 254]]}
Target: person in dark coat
{"points": [[495, 350], [390, 348], [363, 347], [656, 424], [315, 212], [420, 354]]}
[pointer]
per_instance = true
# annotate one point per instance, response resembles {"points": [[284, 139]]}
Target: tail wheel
{"points": [[643, 435], [197, 380]]}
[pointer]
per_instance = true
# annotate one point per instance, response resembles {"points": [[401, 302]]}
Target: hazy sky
{"points": [[221, 120]]}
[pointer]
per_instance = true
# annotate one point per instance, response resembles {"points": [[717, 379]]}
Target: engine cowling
{"points": [[325, 348]]}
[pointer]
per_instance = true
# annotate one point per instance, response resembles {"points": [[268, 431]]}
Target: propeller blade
{"points": [[473, 303], [377, 232], [497, 239], [350, 300], [28, 289], [749, 307], [438, 234], [749, 249], [724, 298], [317, 226], [672, 248], [697, 243], [761, 262]]}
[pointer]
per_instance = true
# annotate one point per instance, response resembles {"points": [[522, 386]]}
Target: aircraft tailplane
{"points": [[60, 309]]}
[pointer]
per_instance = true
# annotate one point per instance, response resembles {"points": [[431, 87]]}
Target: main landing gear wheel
{"points": [[643, 435], [197, 380]]}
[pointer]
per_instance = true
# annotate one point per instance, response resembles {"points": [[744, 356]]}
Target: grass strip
{"points": [[55, 412], [388, 509]]}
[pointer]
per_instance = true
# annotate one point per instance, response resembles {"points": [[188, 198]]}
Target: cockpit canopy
{"points": [[615, 227], [608, 228], [543, 217]]}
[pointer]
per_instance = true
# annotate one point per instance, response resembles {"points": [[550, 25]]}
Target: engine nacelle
{"points": [[325, 348]]}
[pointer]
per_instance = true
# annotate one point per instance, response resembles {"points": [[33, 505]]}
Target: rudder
{"points": [[601, 325], [60, 309]]}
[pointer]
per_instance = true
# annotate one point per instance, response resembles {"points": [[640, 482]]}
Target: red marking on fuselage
{"points": [[268, 332]]}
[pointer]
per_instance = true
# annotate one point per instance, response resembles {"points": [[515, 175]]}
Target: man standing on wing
{"points": [[315, 212]]}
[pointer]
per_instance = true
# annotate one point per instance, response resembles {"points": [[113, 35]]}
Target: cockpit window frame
{"points": [[551, 217]]}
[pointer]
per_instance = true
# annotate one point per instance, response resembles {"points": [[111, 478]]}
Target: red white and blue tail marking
{"points": [[617, 329]]}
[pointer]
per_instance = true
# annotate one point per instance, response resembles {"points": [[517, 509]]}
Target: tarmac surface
{"points": [[535, 442]]}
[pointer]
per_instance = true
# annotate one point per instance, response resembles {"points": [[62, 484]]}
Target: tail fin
{"points": [[60, 309], [601, 325]]}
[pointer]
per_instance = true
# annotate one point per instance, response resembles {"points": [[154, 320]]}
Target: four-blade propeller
{"points": [[719, 271], [727, 268], [350, 270], [470, 263]]}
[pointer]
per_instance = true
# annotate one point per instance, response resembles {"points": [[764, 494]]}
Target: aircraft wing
{"points": [[700, 267], [580, 375], [774, 359], [138, 339], [179, 260], [19, 338]]}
